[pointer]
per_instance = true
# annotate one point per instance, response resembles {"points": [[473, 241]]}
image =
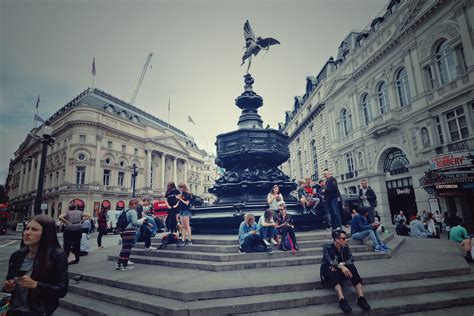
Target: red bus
{"points": [[4, 216]]}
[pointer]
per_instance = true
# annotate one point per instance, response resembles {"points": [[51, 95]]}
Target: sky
{"points": [[47, 48]]}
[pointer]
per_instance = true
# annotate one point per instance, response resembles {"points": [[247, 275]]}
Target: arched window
{"points": [[395, 162], [425, 137], [314, 155], [402, 87], [383, 98], [446, 62], [366, 109], [345, 123], [300, 165]]}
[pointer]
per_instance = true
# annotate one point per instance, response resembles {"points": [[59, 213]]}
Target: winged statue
{"points": [[253, 44]]}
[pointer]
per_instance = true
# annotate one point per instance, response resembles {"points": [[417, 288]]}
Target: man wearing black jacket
{"points": [[333, 197], [368, 198]]}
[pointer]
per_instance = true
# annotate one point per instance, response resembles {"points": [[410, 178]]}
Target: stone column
{"points": [[413, 72], [185, 171], [98, 158], [463, 21], [175, 169], [37, 172], [162, 175], [148, 168], [32, 176]]}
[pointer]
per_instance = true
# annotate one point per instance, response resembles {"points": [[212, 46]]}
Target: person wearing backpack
{"points": [[127, 223], [286, 228]]}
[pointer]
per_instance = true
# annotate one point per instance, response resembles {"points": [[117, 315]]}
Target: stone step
{"points": [[85, 305], [65, 312], [268, 287], [385, 299], [134, 300], [267, 262], [235, 256], [233, 248], [467, 310], [250, 304]]}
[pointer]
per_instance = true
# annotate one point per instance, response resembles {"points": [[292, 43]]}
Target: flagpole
{"points": [[169, 109], [37, 109], [93, 72]]}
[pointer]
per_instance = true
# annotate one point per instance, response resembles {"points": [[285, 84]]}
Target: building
{"points": [[209, 175], [99, 142], [399, 96]]}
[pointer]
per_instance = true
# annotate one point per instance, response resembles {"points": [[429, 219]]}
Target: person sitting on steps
{"points": [[249, 239], [360, 228], [337, 266]]}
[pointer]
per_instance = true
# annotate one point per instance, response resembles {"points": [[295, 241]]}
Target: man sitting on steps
{"points": [[360, 228], [337, 266]]}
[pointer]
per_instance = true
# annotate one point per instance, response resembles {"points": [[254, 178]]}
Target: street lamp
{"points": [[46, 139], [134, 178]]}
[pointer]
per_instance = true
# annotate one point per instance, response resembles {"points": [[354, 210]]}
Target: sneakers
{"points": [[130, 263], [188, 242], [266, 242], [362, 302], [379, 248], [384, 246], [150, 248], [118, 266], [127, 268], [274, 242], [241, 251], [344, 305], [269, 250]]}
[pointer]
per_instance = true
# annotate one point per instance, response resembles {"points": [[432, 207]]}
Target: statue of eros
{"points": [[254, 45]]}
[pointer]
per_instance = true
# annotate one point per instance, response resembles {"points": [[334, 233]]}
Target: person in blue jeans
{"points": [[332, 195], [249, 239], [360, 228], [266, 226]]}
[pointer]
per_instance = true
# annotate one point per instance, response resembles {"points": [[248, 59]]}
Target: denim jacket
{"points": [[244, 231]]}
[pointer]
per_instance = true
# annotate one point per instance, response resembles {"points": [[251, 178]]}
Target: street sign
{"points": [[44, 207]]}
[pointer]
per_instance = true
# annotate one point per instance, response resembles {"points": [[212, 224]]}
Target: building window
{"points": [[366, 109], [425, 138], [108, 161], [383, 98], [315, 158], [81, 157], [360, 159], [121, 178], [402, 87], [57, 178], [135, 151], [395, 162], [324, 143], [106, 180], [439, 129], [446, 62], [336, 166], [350, 162], [346, 123], [457, 125], [82, 139], [109, 144], [80, 174], [300, 165], [124, 148]]}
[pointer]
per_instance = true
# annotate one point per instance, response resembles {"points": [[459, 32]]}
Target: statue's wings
{"points": [[267, 42], [248, 32]]}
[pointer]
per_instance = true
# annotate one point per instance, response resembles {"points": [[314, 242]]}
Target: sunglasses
{"points": [[342, 238]]}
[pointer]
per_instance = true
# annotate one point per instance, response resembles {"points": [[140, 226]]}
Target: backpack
{"points": [[287, 243], [122, 221], [168, 239]]}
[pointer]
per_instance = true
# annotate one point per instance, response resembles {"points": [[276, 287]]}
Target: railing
{"points": [[458, 146]]}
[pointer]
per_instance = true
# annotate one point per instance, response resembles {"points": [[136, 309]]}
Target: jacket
{"points": [[371, 196], [332, 257], [53, 285], [359, 224], [332, 191], [244, 231]]}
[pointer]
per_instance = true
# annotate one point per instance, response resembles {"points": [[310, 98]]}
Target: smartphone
{"points": [[21, 273]]}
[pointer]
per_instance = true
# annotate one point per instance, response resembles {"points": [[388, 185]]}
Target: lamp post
{"points": [[134, 178], [46, 139]]}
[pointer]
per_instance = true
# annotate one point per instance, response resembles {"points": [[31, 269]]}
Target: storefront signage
{"points": [[403, 191], [447, 187], [454, 160]]}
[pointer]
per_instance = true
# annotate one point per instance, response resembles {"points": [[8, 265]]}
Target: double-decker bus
{"points": [[4, 216]]}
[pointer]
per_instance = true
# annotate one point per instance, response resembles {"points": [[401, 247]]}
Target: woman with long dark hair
{"points": [[37, 273], [274, 198], [185, 212], [102, 221], [171, 195]]}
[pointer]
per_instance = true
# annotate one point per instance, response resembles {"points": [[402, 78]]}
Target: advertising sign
{"points": [[453, 160]]}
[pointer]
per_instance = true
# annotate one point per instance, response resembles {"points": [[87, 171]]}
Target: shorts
{"points": [[185, 213]]}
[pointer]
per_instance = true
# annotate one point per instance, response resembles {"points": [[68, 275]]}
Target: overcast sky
{"points": [[47, 48]]}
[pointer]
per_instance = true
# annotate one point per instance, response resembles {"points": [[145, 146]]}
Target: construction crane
{"points": [[137, 89]]}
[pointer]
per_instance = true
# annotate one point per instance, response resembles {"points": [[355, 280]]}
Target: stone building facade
{"points": [[99, 142], [399, 94]]}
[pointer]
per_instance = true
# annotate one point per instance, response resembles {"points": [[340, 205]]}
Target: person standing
{"points": [[333, 196], [145, 211], [128, 235], [185, 212], [171, 198], [368, 198], [102, 221], [73, 231], [37, 274]]}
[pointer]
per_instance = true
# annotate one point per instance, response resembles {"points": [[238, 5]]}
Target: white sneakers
{"points": [[266, 242], [150, 248]]}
